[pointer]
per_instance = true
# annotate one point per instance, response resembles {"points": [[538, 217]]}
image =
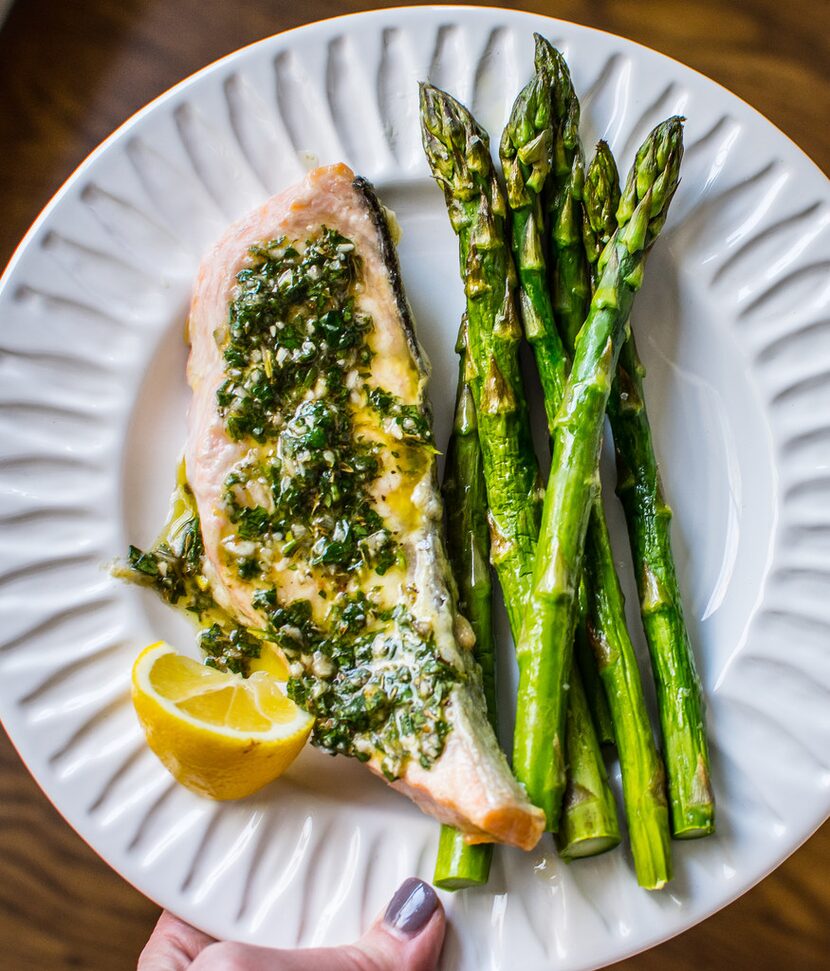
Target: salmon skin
{"points": [[311, 461]]}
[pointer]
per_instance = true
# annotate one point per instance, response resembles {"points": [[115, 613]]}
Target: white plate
{"points": [[735, 325]]}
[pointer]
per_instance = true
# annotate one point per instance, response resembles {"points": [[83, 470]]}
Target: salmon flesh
{"points": [[311, 461]]}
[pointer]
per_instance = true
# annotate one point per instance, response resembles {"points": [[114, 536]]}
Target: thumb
{"points": [[408, 937]]}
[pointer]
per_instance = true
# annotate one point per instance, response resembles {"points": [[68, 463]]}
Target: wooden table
{"points": [[72, 72]]}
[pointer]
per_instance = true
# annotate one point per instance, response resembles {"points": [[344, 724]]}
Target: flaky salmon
{"points": [[311, 460]]}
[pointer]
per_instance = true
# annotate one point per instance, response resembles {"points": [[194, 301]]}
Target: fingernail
{"points": [[411, 907]]}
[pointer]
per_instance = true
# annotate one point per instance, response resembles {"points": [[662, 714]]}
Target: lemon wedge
{"points": [[219, 734]]}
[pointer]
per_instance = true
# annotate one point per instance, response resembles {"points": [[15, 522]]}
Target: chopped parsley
{"points": [[296, 360], [173, 568], [292, 323], [373, 683], [296, 392], [229, 649]]}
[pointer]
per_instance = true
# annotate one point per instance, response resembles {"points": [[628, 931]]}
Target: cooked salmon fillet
{"points": [[310, 457]]}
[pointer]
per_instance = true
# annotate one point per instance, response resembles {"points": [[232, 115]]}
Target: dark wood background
{"points": [[71, 72]]}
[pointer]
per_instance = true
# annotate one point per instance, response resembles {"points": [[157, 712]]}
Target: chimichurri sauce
{"points": [[297, 354], [173, 568], [298, 389]]}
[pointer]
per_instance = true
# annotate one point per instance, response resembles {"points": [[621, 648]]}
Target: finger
{"points": [[409, 935], [407, 938], [173, 945]]}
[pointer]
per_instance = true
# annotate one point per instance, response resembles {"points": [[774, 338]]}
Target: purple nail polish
{"points": [[411, 907]]}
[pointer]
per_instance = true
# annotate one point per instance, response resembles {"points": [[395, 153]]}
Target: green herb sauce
{"points": [[297, 386], [297, 352], [173, 568], [372, 681]]}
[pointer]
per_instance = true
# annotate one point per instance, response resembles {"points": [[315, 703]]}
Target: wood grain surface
{"points": [[72, 72]]}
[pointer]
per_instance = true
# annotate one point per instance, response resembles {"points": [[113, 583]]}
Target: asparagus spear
{"points": [[642, 769], [586, 664], [679, 693], [600, 198], [563, 191], [458, 152], [459, 865], [588, 825], [643, 784], [545, 118], [457, 149], [546, 640], [525, 150], [547, 100]]}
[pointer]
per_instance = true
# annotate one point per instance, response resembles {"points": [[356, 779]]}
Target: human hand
{"points": [[407, 937]]}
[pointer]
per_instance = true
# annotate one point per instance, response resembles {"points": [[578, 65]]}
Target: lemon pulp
{"points": [[219, 734]]}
